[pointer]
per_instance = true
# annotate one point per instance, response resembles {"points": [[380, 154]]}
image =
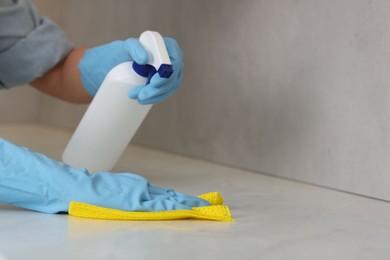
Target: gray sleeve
{"points": [[29, 44]]}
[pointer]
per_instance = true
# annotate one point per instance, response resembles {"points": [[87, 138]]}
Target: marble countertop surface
{"points": [[275, 218]]}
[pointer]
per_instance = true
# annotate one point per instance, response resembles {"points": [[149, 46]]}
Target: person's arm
{"points": [[63, 81], [34, 50], [34, 181], [79, 75], [30, 45]]}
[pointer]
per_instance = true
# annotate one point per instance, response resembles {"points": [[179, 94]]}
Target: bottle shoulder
{"points": [[124, 72]]}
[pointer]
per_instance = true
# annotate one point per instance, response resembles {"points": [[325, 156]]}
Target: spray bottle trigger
{"points": [[147, 71]]}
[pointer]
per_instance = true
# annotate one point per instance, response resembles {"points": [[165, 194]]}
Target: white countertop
{"points": [[275, 218]]}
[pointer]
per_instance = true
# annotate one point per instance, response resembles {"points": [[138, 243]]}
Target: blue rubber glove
{"points": [[33, 181], [98, 61], [159, 88]]}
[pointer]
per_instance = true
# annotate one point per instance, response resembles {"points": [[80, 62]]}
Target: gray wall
{"points": [[295, 88], [19, 104]]}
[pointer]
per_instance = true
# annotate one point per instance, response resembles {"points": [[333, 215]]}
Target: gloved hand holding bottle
{"points": [[33, 181], [80, 74], [97, 62], [112, 119]]}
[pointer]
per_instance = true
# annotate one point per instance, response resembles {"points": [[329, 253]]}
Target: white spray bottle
{"points": [[113, 118]]}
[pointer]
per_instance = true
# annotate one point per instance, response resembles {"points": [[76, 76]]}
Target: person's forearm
{"points": [[63, 81]]}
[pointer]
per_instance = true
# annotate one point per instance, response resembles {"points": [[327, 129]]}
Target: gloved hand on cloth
{"points": [[33, 181]]}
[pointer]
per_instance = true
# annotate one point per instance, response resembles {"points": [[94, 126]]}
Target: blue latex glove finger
{"points": [[156, 87], [170, 194], [156, 99], [133, 94], [175, 53], [152, 89], [98, 61], [33, 181], [136, 51], [159, 88]]}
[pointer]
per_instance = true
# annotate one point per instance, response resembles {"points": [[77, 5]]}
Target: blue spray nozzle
{"points": [[165, 70]]}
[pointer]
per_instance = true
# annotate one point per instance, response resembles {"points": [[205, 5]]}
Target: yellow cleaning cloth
{"points": [[216, 211]]}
